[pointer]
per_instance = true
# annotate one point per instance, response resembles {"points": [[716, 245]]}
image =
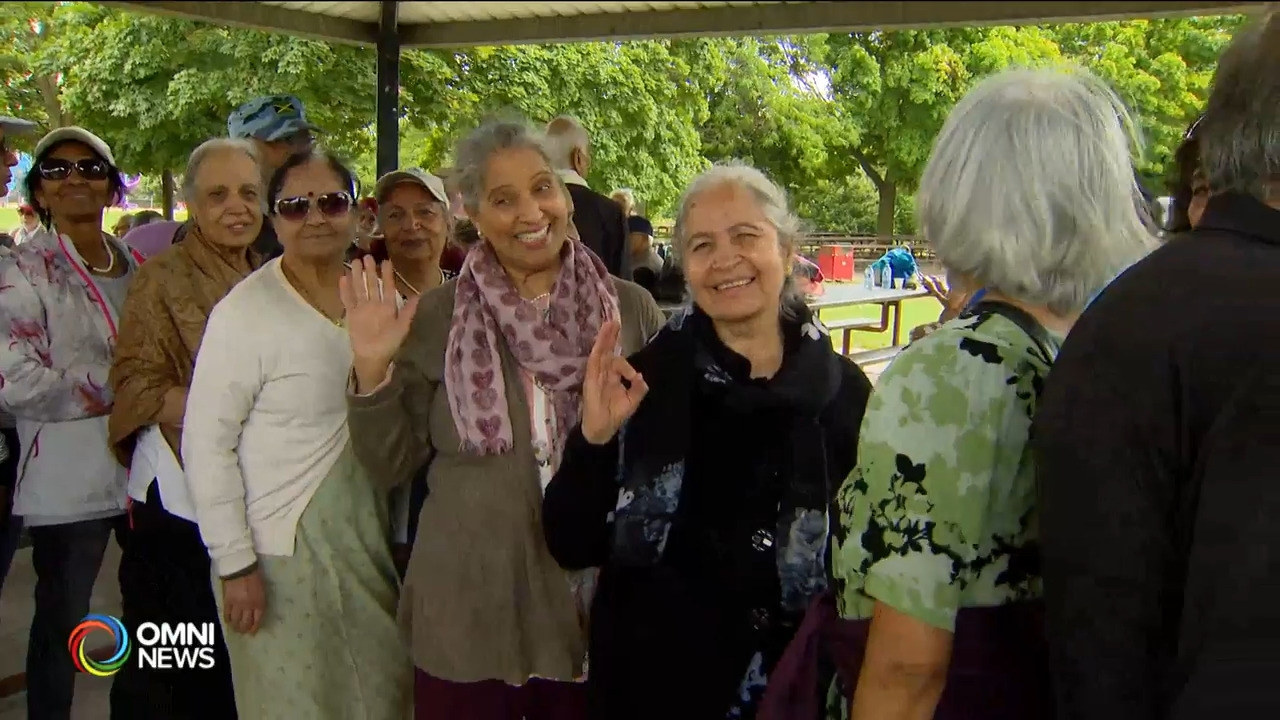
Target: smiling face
{"points": [[74, 198], [522, 211], [414, 224], [227, 206], [732, 259], [317, 236]]}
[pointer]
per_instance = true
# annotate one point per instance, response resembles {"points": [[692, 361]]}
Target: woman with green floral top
{"points": [[1029, 200]]}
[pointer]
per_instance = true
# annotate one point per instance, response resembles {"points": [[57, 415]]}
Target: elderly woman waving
{"points": [[486, 386], [298, 535], [1030, 201], [703, 469], [164, 573]]}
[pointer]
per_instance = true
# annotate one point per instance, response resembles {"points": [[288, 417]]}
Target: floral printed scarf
{"points": [[551, 346]]}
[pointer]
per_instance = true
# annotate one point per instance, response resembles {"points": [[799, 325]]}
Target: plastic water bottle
{"points": [[869, 279], [888, 277]]}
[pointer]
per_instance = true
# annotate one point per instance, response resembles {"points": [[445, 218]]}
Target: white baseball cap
{"points": [[78, 134], [417, 176]]}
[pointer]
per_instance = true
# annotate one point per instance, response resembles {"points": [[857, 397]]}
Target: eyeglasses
{"points": [[88, 168], [1191, 131], [329, 204]]}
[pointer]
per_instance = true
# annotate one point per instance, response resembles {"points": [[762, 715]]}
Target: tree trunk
{"points": [[50, 97], [888, 204], [166, 191]]}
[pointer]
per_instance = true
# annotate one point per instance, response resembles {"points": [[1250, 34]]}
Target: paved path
{"points": [[16, 606]]}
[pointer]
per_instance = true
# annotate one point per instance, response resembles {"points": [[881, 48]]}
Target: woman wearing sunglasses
{"points": [[298, 536], [485, 388], [61, 293]]}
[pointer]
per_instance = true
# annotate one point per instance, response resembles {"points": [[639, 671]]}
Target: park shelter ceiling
{"points": [[469, 24]]}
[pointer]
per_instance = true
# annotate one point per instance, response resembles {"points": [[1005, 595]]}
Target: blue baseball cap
{"points": [[269, 118]]}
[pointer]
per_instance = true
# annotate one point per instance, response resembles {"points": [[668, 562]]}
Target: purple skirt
{"points": [[999, 664], [436, 699]]}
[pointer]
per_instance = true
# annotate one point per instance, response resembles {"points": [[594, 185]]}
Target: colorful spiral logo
{"points": [[80, 656]]}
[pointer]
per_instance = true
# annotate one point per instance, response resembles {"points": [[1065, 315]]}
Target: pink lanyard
{"points": [[111, 325], [93, 287]]}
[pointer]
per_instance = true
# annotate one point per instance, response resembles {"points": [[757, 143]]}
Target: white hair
{"points": [[627, 195], [207, 149], [769, 197], [1240, 132], [564, 135], [1031, 188]]}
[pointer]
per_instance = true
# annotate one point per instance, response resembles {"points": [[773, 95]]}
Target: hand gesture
{"points": [[377, 327], [953, 301], [606, 401], [244, 602]]}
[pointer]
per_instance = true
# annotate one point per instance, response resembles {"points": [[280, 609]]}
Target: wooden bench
{"points": [[848, 326], [877, 356]]}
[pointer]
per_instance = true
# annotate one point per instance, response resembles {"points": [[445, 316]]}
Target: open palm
{"points": [[376, 325], [611, 391]]}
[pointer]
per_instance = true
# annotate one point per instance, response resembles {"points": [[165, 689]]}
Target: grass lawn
{"points": [[916, 311], [9, 217]]}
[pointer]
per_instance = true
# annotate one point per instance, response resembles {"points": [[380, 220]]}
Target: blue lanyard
{"points": [[977, 298]]}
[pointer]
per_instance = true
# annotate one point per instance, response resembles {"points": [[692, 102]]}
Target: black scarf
{"points": [[654, 443]]}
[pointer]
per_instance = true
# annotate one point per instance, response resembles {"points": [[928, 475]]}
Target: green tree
{"points": [[634, 98], [898, 88], [156, 87], [1162, 69], [31, 75]]}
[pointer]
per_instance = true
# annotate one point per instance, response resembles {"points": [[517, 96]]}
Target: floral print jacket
{"points": [[53, 376]]}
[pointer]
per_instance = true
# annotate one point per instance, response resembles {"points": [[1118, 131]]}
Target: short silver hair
{"points": [[769, 197], [472, 153], [1240, 132], [1031, 188], [626, 193], [213, 147], [564, 135]]}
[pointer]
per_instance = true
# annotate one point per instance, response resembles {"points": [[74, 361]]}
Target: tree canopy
{"points": [[845, 122]]}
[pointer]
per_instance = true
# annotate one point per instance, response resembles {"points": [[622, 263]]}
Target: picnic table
{"points": [[841, 295]]}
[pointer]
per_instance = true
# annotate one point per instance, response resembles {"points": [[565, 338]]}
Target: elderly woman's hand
{"points": [[606, 401], [953, 301], [376, 325]]}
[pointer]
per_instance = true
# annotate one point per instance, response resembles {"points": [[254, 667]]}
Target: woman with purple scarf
{"points": [[480, 380]]}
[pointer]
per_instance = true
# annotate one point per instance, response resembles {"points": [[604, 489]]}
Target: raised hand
{"points": [[606, 401], [953, 301], [376, 326]]}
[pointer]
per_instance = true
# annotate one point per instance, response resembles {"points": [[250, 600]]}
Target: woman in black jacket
{"points": [[702, 473]]}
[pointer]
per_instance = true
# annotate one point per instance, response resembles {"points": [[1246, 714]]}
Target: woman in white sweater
{"points": [[297, 535]]}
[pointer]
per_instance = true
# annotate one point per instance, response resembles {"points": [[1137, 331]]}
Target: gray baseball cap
{"points": [[417, 176], [15, 126]]}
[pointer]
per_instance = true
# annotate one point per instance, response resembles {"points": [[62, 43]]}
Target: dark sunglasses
{"points": [[89, 169], [329, 204]]}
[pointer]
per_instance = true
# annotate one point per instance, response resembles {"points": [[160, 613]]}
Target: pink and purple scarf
{"points": [[552, 346]]}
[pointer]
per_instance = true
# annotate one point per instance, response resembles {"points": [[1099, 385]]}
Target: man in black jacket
{"points": [[1158, 441], [598, 218]]}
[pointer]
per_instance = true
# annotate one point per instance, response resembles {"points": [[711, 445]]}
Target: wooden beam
{"points": [[256, 16], [791, 18]]}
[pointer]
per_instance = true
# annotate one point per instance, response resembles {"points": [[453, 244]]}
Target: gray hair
{"points": [[769, 197], [626, 193], [564, 135], [472, 153], [1240, 133], [207, 149], [1031, 189]]}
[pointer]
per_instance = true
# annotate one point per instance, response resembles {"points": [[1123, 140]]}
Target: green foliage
{"points": [[844, 122], [633, 98]]}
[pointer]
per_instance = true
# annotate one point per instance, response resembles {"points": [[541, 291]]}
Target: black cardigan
{"points": [[674, 640]]}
